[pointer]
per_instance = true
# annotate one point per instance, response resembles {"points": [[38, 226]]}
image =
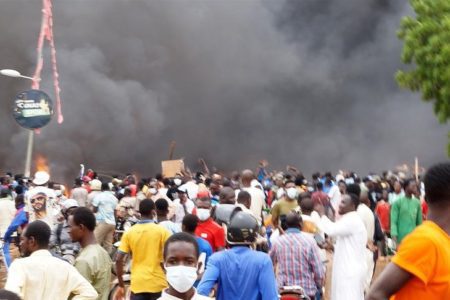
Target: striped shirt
{"points": [[298, 261]]}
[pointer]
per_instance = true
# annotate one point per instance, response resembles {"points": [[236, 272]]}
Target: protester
{"points": [[296, 257], [349, 260], [162, 210], [61, 244], [40, 275], [207, 228], [244, 201], [7, 210], [333, 194], [104, 205], [20, 218], [240, 273], [421, 267], [257, 195], [183, 205], [320, 197], [145, 241], [94, 188], [406, 213], [285, 205], [368, 218], [93, 262], [189, 225], [127, 204], [383, 212], [397, 192], [181, 267], [79, 193]]}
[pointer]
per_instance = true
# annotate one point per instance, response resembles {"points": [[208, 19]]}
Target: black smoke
{"points": [[306, 82]]}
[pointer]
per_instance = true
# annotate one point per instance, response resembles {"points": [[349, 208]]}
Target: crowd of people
{"points": [[252, 235]]}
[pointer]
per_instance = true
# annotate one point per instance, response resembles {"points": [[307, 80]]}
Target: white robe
{"points": [[368, 219], [349, 261]]}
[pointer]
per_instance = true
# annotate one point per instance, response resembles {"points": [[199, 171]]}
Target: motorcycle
{"points": [[293, 293]]}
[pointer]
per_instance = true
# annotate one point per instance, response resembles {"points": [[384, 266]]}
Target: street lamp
{"points": [[14, 73]]}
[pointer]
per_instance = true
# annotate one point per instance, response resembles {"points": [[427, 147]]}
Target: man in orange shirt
{"points": [[421, 267]]}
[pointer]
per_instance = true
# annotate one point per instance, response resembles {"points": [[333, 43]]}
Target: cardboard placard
{"points": [[170, 168]]}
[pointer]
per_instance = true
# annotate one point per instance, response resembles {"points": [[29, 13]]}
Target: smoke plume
{"points": [[308, 83]]}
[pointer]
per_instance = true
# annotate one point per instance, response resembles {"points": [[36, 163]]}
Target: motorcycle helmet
{"points": [[242, 229]]}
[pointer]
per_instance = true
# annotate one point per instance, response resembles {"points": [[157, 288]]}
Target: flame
{"points": [[41, 163]]}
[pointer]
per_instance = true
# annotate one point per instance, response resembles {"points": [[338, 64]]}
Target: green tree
{"points": [[427, 49]]}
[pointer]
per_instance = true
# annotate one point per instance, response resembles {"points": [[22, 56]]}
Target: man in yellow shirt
{"points": [[421, 267], [145, 242]]}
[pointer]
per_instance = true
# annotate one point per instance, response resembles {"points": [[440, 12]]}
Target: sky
{"points": [[307, 83]]}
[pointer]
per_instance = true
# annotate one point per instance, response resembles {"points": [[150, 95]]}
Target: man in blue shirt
{"points": [[240, 272], [104, 205]]}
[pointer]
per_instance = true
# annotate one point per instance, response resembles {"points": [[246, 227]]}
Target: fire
{"points": [[42, 164]]}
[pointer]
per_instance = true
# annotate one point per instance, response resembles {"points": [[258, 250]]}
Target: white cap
{"points": [[41, 178], [69, 203], [96, 185]]}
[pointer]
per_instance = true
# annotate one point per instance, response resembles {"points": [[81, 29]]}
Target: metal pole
{"points": [[29, 153]]}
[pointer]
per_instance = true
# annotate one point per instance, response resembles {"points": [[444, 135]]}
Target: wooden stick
{"points": [[172, 149]]}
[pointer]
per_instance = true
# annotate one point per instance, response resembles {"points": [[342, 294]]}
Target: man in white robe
{"points": [[349, 261], [368, 219]]}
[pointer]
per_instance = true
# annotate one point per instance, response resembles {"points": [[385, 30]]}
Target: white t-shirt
{"points": [[179, 209], [258, 201], [335, 197]]}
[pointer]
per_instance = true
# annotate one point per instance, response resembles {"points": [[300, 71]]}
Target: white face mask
{"points": [[152, 191], [177, 181], [280, 193], [181, 278], [292, 193], [203, 214]]}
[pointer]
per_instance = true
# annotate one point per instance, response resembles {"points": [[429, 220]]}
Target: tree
{"points": [[427, 48]]}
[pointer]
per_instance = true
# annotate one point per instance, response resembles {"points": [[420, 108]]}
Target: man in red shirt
{"points": [[319, 197], [383, 212], [207, 228]]}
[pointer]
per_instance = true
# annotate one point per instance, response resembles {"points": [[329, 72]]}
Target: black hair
{"points": [[83, 215], [407, 182], [8, 295], [40, 231], [304, 195], [293, 220], [159, 177], [20, 199], [190, 222], [355, 199], [288, 181], [78, 182], [105, 186], [166, 181], [243, 196], [437, 184], [146, 207], [208, 181], [299, 180], [127, 191], [162, 205], [181, 237], [354, 188], [319, 185]]}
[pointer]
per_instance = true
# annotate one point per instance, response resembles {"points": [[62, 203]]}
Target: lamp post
{"points": [[16, 74]]}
